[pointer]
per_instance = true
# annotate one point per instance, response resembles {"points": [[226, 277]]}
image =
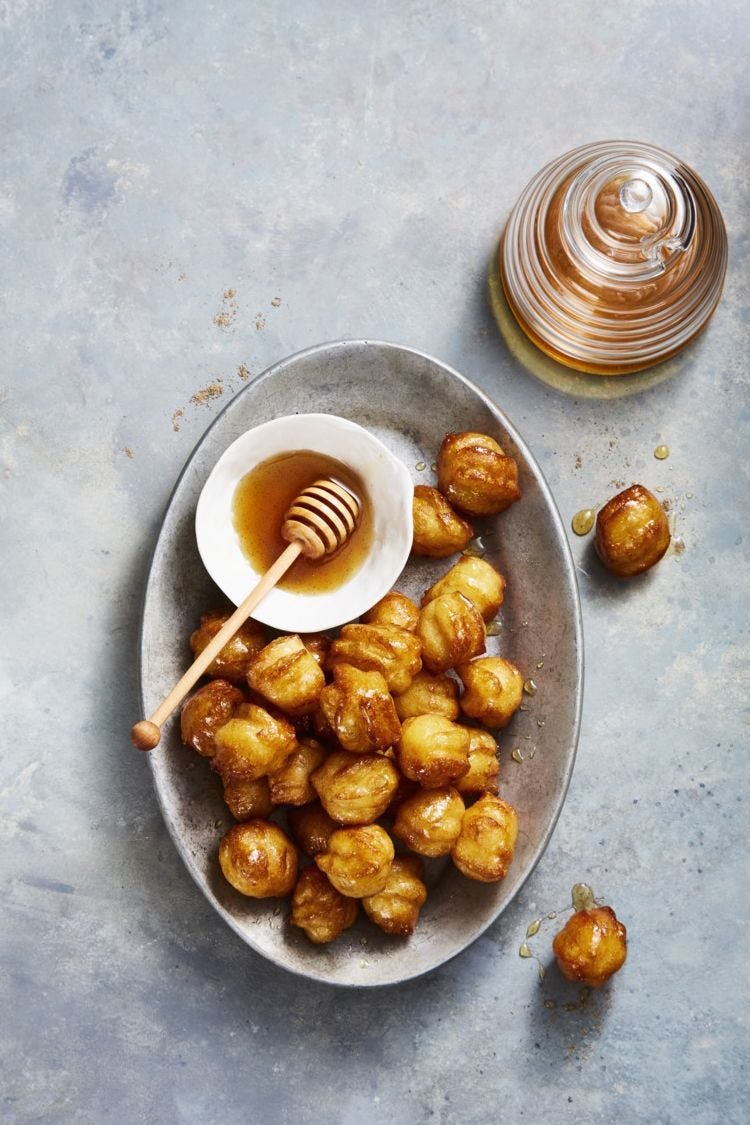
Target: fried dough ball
{"points": [[205, 711], [252, 744], [394, 609], [591, 946], [632, 532], [248, 800], [484, 767], [484, 848], [477, 580], [429, 822], [291, 784], [428, 695], [493, 690], [396, 908], [357, 860], [451, 631], [438, 530], [355, 788], [475, 474], [234, 659], [319, 909], [359, 710], [317, 644], [311, 827], [433, 751], [393, 652], [288, 675], [258, 859]]}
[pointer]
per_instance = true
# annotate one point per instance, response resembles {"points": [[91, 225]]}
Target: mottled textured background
{"points": [[188, 193]]}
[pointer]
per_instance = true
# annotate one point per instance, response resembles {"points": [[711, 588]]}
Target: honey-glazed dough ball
{"points": [[484, 848], [475, 475], [252, 744], [591, 946], [451, 630], [291, 785], [484, 767], [258, 859], [355, 788], [288, 675], [394, 609], [429, 695], [396, 908], [234, 659], [438, 530], [477, 580], [318, 645], [632, 532], [357, 860], [248, 800], [359, 710], [311, 827], [493, 690], [429, 822], [395, 653], [205, 711], [433, 751], [319, 909]]}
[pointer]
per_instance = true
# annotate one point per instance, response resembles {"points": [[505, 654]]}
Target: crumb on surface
{"points": [[175, 419], [579, 460], [208, 393], [243, 371], [227, 315], [276, 301], [260, 322], [129, 452]]}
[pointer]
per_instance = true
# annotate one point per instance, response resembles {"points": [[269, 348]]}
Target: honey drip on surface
{"points": [[661, 452], [582, 897], [529, 687], [583, 521]]}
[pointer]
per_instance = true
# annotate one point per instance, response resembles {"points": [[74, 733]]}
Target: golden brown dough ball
{"points": [[355, 788], [248, 800], [258, 859], [438, 530], [433, 751], [311, 827], [477, 580], [291, 784], [252, 744], [207, 710], [493, 690], [287, 675], [428, 695], [396, 908], [632, 532], [359, 710], [476, 475], [591, 946], [484, 768], [357, 860], [234, 659], [484, 848], [319, 909], [395, 653], [451, 631], [317, 644], [429, 822], [394, 609]]}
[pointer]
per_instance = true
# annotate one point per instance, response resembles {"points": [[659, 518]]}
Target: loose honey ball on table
{"points": [[319, 909], [493, 690], [311, 827], [253, 744], [485, 844], [234, 659], [429, 822], [484, 767], [393, 652], [476, 475], [396, 908], [433, 751], [477, 580], [355, 788], [451, 631], [358, 710], [394, 609], [428, 695], [291, 785], [258, 859], [248, 800], [287, 675], [207, 710], [438, 530], [632, 532], [591, 946], [357, 860]]}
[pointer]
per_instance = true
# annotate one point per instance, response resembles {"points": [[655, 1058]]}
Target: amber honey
{"points": [[260, 502]]}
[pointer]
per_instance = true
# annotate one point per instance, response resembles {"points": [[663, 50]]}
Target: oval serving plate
{"points": [[409, 400]]}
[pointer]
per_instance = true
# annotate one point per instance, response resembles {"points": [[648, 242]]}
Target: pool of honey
{"points": [[260, 502]]}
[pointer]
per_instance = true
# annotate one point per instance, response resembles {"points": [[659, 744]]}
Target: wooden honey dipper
{"points": [[317, 524]]}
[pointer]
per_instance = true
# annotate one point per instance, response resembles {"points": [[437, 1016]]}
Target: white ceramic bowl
{"points": [[390, 492]]}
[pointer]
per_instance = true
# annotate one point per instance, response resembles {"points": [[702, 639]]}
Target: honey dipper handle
{"points": [[146, 734]]}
